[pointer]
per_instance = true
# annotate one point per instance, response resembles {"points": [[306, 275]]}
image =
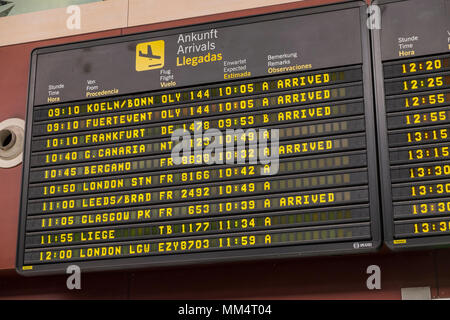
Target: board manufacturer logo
{"points": [[150, 55], [361, 245]]}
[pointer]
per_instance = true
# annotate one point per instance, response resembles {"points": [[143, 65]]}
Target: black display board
{"points": [[412, 71], [101, 189]]}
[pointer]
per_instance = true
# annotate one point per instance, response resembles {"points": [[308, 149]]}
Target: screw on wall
{"points": [[12, 137]]}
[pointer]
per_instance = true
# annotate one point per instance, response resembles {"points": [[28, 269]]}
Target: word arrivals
{"points": [[189, 310]]}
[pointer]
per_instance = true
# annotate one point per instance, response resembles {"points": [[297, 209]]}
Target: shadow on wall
{"points": [[13, 7]]}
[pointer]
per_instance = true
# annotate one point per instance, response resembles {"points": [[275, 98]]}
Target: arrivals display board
{"points": [[412, 61], [278, 113]]}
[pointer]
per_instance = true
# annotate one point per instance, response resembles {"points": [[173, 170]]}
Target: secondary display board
{"points": [[101, 186], [412, 54]]}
